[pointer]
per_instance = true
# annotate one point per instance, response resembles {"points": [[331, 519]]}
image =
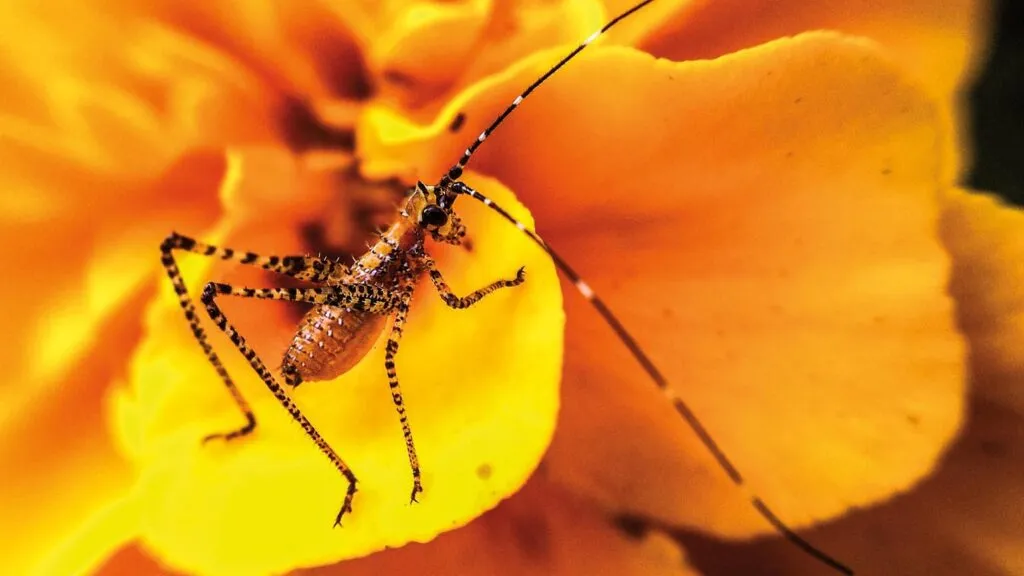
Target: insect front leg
{"points": [[466, 301], [362, 297]]}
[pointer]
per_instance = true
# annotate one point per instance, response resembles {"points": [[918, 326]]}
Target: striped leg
{"points": [[466, 301], [301, 267], [402, 310], [353, 297], [308, 268]]}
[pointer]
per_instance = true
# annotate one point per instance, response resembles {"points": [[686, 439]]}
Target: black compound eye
{"points": [[433, 216]]}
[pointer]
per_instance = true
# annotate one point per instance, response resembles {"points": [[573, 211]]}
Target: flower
{"points": [[823, 134], [851, 206]]}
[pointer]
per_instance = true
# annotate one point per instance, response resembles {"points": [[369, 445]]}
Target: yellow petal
{"points": [[767, 225], [88, 549], [480, 387], [541, 530]]}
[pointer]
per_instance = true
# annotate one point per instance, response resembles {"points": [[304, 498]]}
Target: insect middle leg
{"points": [[299, 267], [466, 301], [360, 297], [401, 312]]}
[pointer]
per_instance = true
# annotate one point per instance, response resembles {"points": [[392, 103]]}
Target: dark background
{"points": [[997, 109]]}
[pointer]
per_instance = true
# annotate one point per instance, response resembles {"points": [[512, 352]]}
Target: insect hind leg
{"points": [[304, 295], [187, 306], [307, 268]]}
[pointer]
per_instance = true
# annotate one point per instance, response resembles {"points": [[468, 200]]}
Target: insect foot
{"points": [[250, 426], [346, 507], [417, 488]]}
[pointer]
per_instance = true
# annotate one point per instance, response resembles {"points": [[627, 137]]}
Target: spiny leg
{"points": [[342, 295], [309, 268], [174, 273], [300, 267], [402, 310], [466, 301]]}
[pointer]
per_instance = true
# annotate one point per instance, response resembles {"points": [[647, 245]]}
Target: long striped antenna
{"points": [[660, 381], [451, 183], [455, 172]]}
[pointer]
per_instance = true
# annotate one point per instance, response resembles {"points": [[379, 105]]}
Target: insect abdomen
{"points": [[330, 340]]}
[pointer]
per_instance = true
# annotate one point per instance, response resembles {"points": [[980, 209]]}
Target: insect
{"points": [[351, 305]]}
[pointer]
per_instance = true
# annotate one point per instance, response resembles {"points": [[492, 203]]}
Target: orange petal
{"points": [[541, 530], [59, 462], [957, 521], [481, 415], [73, 321], [132, 560], [939, 44], [295, 47], [986, 241], [115, 94], [766, 224], [420, 52], [74, 274]]}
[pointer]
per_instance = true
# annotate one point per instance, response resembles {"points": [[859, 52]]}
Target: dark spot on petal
{"points": [[993, 448], [398, 78], [532, 536], [457, 122], [632, 526], [484, 471]]}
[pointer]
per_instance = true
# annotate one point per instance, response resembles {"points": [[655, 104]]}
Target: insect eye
{"points": [[433, 216]]}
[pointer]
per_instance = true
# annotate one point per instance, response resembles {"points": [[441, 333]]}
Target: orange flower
{"points": [[836, 382]]}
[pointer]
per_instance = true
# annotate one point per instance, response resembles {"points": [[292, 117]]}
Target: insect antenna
{"points": [[450, 181], [455, 172]]}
